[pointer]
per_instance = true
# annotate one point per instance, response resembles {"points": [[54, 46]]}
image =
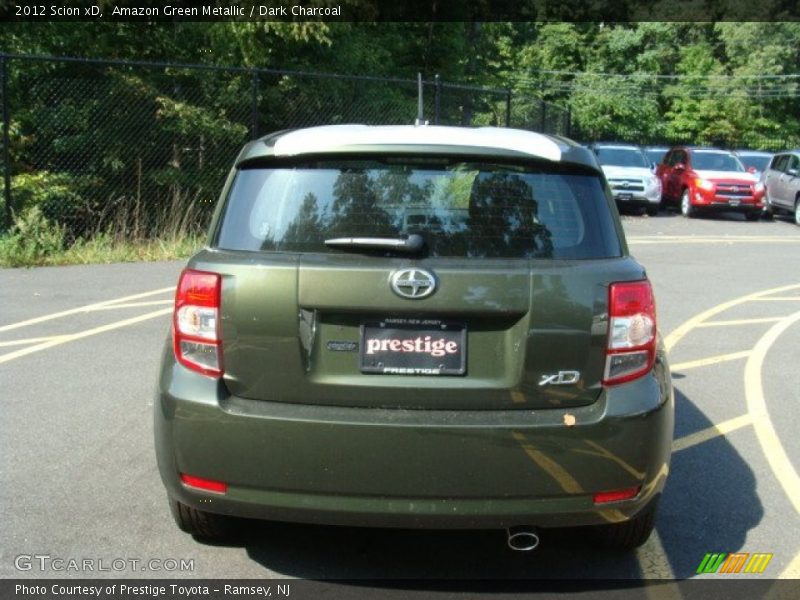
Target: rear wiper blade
{"points": [[413, 243]]}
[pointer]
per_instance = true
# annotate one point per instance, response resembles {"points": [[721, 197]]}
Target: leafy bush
{"points": [[61, 197], [31, 240]]}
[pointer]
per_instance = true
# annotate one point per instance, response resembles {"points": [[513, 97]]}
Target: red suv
{"points": [[702, 179]]}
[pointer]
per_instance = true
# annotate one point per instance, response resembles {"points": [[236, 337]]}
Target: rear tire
{"points": [[652, 211], [200, 524], [752, 216], [629, 535], [687, 210]]}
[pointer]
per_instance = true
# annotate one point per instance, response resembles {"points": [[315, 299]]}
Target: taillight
{"points": [[631, 350], [195, 322]]}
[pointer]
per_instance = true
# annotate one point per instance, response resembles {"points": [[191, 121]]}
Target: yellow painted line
{"points": [[654, 564], [711, 360], [29, 341], [653, 560], [709, 433], [85, 308], [134, 304], [652, 557], [757, 407], [607, 454], [678, 334], [792, 571], [612, 515], [735, 322], [567, 482], [645, 558], [82, 334]]}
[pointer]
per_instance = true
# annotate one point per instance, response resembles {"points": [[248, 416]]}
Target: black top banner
{"points": [[406, 11]]}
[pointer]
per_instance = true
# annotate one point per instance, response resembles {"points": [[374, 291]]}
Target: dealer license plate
{"points": [[401, 346]]}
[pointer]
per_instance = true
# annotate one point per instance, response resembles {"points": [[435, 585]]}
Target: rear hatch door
{"points": [[504, 307]]}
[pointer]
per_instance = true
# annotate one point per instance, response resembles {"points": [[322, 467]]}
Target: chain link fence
{"points": [[539, 115], [140, 150]]}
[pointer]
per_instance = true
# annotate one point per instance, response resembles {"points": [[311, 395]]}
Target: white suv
{"points": [[633, 182]]}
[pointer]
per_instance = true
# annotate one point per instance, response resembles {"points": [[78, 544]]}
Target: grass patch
{"points": [[35, 241], [104, 249]]}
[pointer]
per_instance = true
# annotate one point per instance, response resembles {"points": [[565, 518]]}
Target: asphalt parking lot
{"points": [[79, 350]]}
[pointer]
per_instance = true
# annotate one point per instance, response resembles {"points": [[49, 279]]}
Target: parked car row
{"points": [[699, 180]]}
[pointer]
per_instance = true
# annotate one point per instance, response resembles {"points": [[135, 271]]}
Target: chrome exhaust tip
{"points": [[523, 538]]}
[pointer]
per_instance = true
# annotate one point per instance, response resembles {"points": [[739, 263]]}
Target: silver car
{"points": [[782, 182]]}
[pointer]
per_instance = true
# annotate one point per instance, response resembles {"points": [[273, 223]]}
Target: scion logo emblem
{"points": [[413, 283]]}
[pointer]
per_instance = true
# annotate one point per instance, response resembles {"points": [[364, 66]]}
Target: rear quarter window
{"points": [[462, 209]]}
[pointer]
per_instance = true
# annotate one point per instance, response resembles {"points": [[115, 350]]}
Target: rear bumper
{"points": [[624, 198], [637, 201], [413, 468]]}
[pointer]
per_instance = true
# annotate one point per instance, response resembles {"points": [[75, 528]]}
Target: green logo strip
{"points": [[711, 562]]}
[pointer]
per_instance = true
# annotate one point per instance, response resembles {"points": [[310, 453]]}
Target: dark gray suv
{"points": [[416, 327]]}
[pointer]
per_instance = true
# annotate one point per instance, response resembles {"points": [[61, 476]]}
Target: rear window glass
{"points": [[655, 156], [621, 157], [757, 161], [461, 209]]}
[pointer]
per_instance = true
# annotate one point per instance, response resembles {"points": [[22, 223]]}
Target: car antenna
{"points": [[420, 120]]}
